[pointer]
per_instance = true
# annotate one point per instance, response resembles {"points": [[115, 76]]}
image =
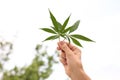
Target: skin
{"points": [[70, 57]]}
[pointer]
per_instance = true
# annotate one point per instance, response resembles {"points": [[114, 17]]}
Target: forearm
{"points": [[80, 75]]}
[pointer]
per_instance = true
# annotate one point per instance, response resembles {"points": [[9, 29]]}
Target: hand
{"points": [[70, 57]]}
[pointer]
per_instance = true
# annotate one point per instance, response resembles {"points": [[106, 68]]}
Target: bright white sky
{"points": [[20, 20]]}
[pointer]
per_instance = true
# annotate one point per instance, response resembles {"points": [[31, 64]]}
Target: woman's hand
{"points": [[70, 57]]}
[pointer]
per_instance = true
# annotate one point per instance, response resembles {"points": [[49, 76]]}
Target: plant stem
{"points": [[64, 39], [68, 37], [59, 38]]}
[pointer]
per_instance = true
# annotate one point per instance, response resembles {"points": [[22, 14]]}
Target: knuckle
{"points": [[64, 47]]}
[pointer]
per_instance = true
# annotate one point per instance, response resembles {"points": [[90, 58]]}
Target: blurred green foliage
{"points": [[5, 50], [39, 69]]}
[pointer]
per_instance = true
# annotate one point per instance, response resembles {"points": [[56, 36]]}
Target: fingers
{"points": [[63, 46], [58, 48], [63, 59], [73, 48], [63, 55], [69, 45]]}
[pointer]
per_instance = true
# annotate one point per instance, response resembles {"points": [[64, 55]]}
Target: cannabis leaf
{"points": [[61, 30]]}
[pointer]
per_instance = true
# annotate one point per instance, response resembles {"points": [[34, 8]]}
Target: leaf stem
{"points": [[64, 39], [59, 38]]}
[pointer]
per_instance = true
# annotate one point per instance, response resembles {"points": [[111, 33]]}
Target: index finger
{"points": [[72, 47]]}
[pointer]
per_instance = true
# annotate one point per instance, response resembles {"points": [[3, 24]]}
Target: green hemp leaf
{"points": [[60, 30]]}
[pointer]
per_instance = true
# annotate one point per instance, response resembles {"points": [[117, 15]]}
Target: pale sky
{"points": [[20, 20]]}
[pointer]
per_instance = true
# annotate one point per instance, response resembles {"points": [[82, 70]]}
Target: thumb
{"points": [[65, 48]]}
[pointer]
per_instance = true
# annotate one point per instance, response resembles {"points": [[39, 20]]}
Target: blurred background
{"points": [[23, 56]]}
